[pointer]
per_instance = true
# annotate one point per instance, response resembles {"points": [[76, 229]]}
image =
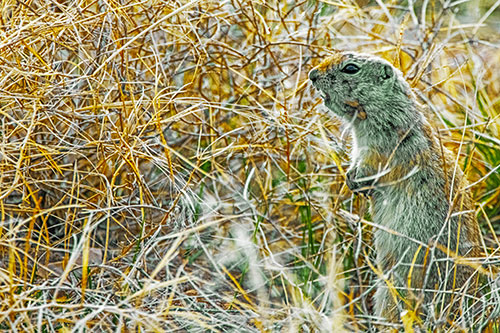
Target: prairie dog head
{"points": [[358, 87]]}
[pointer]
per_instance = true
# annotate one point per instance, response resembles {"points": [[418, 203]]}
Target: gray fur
{"points": [[411, 180]]}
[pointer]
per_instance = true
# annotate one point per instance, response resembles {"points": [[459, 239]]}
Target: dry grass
{"points": [[165, 165]]}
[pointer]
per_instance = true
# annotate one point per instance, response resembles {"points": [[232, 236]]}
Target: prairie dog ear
{"points": [[387, 72]]}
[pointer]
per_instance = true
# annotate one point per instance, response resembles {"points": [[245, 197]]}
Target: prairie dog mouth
{"points": [[324, 95]]}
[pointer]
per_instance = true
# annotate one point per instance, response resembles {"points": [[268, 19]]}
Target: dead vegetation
{"points": [[165, 165]]}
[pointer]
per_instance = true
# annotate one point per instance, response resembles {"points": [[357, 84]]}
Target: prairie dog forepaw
{"points": [[362, 187]]}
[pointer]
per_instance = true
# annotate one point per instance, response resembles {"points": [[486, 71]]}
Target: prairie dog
{"points": [[414, 185]]}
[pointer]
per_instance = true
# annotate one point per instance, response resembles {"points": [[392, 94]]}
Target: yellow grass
{"points": [[165, 166]]}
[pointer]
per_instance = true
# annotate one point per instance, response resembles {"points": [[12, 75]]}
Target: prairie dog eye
{"points": [[350, 69]]}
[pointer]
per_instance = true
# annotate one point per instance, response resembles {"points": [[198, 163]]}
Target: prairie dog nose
{"points": [[313, 75]]}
